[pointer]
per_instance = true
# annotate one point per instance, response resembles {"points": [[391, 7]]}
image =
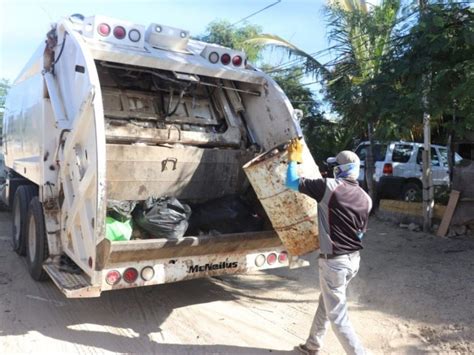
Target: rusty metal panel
{"points": [[135, 172], [293, 215]]}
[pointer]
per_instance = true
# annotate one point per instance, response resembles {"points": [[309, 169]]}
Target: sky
{"points": [[24, 23]]}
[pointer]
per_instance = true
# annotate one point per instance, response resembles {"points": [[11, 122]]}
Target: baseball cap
{"points": [[344, 157]]}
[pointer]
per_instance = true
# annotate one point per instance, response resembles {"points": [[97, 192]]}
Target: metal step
{"points": [[72, 285]]}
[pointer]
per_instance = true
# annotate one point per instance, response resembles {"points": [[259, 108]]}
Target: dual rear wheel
{"points": [[28, 230]]}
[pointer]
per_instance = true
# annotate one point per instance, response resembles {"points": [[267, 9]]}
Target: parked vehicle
{"points": [[108, 110], [398, 168]]}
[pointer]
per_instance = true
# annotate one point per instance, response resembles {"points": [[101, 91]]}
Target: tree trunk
{"points": [[427, 177]]}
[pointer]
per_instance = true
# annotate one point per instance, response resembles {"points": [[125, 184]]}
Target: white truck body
{"points": [[94, 116]]}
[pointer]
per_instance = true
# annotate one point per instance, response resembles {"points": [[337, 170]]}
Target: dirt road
{"points": [[414, 294]]}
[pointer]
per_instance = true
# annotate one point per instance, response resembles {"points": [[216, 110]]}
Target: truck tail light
{"points": [[134, 35], [113, 277], [103, 29], [260, 260], [130, 275], [119, 32], [271, 259], [387, 169], [237, 61], [147, 273], [283, 257], [225, 59], [213, 57]]}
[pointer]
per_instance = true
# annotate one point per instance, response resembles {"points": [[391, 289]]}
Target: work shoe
{"points": [[304, 349]]}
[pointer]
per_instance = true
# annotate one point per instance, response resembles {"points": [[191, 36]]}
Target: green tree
{"points": [[223, 33], [440, 44]]}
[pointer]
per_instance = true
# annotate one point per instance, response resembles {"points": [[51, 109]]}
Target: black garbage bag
{"points": [[120, 210], [228, 214], [163, 217]]}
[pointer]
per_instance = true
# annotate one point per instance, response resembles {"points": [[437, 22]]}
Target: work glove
{"points": [[295, 151]]}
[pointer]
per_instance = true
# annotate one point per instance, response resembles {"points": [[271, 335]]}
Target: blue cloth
{"points": [[292, 178], [347, 171]]}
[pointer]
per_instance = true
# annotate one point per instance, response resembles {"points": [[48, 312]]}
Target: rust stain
{"points": [[293, 215], [141, 190]]}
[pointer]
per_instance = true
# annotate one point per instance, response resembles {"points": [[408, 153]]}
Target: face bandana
{"points": [[347, 171]]}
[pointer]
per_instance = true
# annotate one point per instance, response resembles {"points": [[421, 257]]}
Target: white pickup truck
{"points": [[112, 110]]}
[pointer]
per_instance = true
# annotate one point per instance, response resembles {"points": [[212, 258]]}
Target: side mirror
{"points": [[298, 115], [331, 161]]}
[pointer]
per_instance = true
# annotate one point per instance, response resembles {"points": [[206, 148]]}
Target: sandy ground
{"points": [[414, 294]]}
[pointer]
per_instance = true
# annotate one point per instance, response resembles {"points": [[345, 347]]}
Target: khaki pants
{"points": [[334, 277]]}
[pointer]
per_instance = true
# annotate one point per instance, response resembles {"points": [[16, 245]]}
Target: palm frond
{"points": [[269, 40]]}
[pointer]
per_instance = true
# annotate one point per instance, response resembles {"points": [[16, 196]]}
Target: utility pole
{"points": [[427, 177]]}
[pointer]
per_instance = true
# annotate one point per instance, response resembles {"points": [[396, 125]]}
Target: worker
{"points": [[343, 213]]}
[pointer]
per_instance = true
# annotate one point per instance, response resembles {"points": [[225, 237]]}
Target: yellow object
{"points": [[295, 150]]}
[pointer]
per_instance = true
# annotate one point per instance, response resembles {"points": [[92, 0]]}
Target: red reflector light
{"points": [[130, 275], [113, 277], [119, 32], [103, 29], [271, 259], [237, 60], [283, 257], [225, 59], [387, 169]]}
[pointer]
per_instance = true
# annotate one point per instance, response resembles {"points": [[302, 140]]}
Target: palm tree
{"points": [[361, 36]]}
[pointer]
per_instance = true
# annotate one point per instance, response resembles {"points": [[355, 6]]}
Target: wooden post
{"points": [[448, 214], [370, 165]]}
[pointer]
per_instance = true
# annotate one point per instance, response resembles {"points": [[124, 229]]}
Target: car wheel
{"points": [[411, 192], [37, 246], [21, 201]]}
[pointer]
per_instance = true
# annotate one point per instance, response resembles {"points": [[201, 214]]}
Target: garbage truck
{"points": [[110, 110]]}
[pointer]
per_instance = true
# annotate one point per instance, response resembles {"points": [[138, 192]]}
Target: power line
{"points": [[289, 64], [256, 12]]}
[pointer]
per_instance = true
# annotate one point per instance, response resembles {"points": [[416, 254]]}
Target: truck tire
{"points": [[411, 192], [21, 201], [37, 244]]}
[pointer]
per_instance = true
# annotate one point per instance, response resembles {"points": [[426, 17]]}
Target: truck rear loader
{"points": [[112, 110]]}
